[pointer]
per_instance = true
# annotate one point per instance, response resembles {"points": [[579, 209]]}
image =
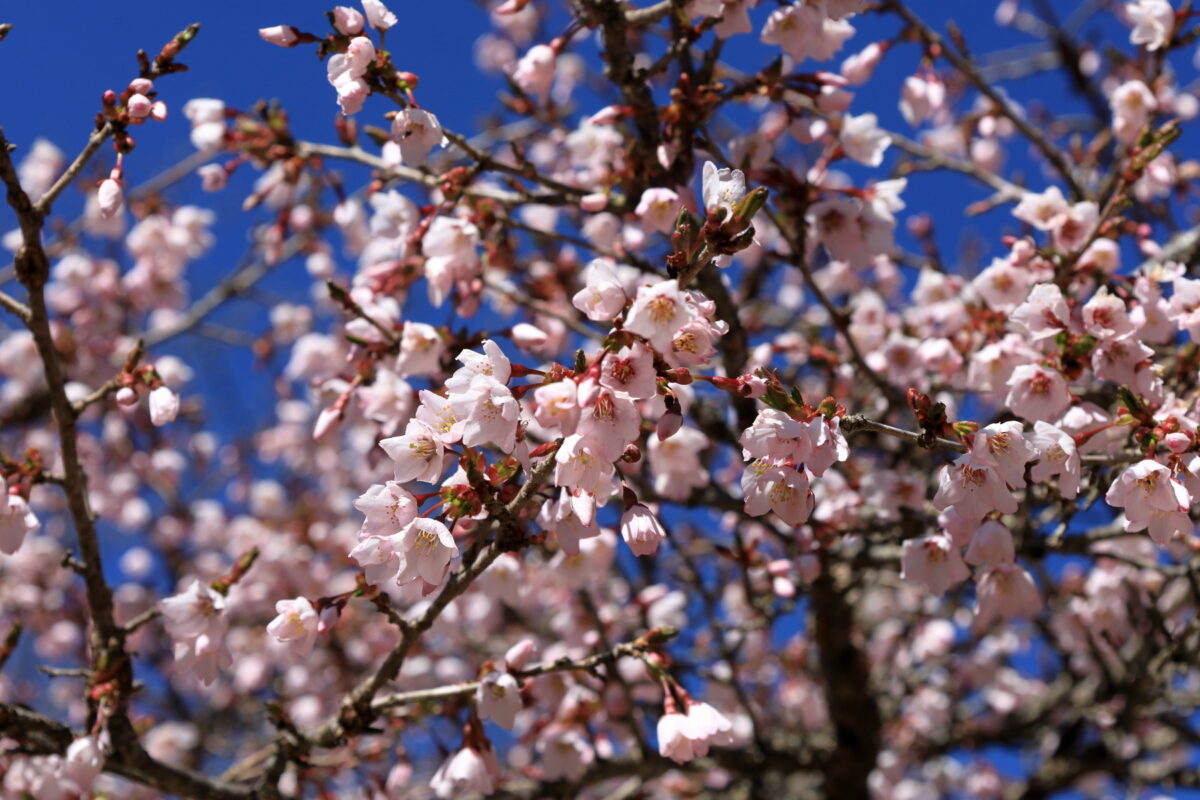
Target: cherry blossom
{"points": [[1153, 22], [426, 547], [935, 562], [295, 625], [196, 624]]}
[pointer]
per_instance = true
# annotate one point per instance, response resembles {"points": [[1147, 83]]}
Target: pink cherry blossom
{"points": [[784, 490], [1057, 456], [602, 296], [630, 370], [388, 508], [1006, 590], [465, 772], [804, 30], [641, 530], [426, 547], [417, 454], [1004, 445], [1132, 106], [295, 625], [196, 624], [378, 15], [498, 698], [658, 209], [992, 543], [488, 411], [935, 562], [535, 71], [282, 35], [974, 487], [722, 188], [417, 131], [863, 140], [658, 312], [1037, 393]]}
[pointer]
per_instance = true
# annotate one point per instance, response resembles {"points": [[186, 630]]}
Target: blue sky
{"points": [[61, 56]]}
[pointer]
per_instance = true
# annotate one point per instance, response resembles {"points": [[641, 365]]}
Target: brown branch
{"points": [[43, 735], [966, 65], [611, 656], [854, 423]]}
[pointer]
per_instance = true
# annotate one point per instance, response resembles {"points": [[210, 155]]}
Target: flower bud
{"points": [[164, 405], [139, 106], [518, 655], [282, 35], [110, 195], [347, 20], [594, 202], [126, 396]]}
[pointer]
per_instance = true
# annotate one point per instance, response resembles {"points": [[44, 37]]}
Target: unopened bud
{"points": [[282, 35], [668, 424], [110, 194], [750, 205], [139, 106]]}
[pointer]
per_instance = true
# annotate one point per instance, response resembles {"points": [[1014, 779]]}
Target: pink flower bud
{"points": [[347, 20], [127, 396], [164, 405], [518, 655], [141, 85], [529, 337], [594, 202], [282, 35], [1177, 442], [139, 106], [325, 421], [158, 111], [607, 115], [110, 195], [668, 425]]}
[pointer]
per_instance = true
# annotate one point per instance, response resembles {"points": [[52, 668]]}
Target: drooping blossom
{"points": [[641, 530], [991, 543], [784, 490], [498, 698], [974, 487], [346, 71], [933, 561], [602, 296], [1153, 500], [1006, 590], [465, 772], [196, 624]]}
